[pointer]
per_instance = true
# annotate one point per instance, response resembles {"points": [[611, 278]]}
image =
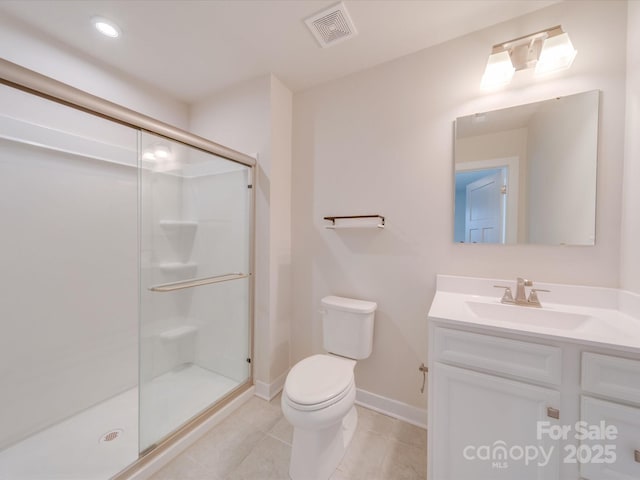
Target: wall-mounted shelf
{"points": [[356, 221], [171, 225], [178, 332]]}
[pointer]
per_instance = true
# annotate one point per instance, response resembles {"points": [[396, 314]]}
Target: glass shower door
{"points": [[195, 285], [68, 292]]}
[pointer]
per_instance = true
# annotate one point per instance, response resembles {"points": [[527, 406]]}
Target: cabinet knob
{"points": [[553, 413], [636, 455]]}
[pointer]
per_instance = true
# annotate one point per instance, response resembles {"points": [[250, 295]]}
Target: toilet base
{"points": [[316, 454]]}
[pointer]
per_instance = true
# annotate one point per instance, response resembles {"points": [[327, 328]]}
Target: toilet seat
{"points": [[318, 382]]}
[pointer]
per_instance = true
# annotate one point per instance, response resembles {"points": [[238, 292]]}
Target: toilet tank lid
{"points": [[349, 304]]}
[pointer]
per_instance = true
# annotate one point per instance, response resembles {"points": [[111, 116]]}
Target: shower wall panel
{"points": [[221, 202]]}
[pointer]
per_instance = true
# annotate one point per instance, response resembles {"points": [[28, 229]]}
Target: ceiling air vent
{"points": [[332, 25]]}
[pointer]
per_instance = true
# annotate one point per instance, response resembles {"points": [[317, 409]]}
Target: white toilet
{"points": [[319, 393]]}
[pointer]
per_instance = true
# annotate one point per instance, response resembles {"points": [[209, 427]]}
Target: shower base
{"points": [[99, 442]]}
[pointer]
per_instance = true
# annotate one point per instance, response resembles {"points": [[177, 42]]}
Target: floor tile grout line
{"points": [[279, 439]]}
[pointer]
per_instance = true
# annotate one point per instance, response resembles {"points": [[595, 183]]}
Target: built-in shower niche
{"points": [[180, 236]]}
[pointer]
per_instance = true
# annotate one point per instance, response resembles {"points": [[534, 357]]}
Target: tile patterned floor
{"points": [[254, 443]]}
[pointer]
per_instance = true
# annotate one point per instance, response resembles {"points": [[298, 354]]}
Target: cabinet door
{"points": [[594, 464], [486, 428]]}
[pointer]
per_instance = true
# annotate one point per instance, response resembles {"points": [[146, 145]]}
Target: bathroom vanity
{"points": [[519, 392]]}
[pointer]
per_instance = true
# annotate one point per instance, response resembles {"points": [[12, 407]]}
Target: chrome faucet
{"points": [[521, 294]]}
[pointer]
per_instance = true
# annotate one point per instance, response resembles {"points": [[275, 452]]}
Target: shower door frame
{"points": [[21, 78]]}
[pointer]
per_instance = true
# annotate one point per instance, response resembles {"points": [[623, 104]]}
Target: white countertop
{"points": [[594, 316]]}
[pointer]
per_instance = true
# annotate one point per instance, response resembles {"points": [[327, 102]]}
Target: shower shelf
{"points": [[356, 221], [171, 225], [178, 332], [186, 269]]}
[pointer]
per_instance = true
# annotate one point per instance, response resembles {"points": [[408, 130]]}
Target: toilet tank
{"points": [[347, 326]]}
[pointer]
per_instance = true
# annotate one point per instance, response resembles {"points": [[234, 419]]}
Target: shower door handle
{"points": [[197, 282]]}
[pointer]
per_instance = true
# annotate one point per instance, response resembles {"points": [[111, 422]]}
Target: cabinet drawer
{"points": [[614, 377], [622, 452], [529, 361]]}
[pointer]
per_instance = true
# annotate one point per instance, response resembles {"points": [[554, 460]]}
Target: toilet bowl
{"points": [[319, 394], [318, 400]]}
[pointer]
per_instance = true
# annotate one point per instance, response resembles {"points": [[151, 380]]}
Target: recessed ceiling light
{"points": [[106, 27]]}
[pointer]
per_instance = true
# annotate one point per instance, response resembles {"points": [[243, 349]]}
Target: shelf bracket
{"points": [[355, 221]]}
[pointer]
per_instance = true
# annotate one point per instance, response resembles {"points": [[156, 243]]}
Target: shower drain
{"points": [[111, 435]]}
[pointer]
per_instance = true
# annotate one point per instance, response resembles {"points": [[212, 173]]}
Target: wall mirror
{"points": [[527, 174]]}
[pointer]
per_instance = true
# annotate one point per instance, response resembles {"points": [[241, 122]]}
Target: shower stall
{"points": [[126, 287]]}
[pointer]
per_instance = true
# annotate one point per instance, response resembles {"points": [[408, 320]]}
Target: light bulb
{"points": [[557, 54], [499, 70]]}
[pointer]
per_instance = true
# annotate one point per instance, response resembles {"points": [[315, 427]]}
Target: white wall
{"points": [[380, 141], [630, 254], [280, 229], [255, 117], [29, 48]]}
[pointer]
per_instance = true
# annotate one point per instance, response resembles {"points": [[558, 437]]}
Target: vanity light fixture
{"points": [[106, 27], [499, 70], [557, 53], [548, 51]]}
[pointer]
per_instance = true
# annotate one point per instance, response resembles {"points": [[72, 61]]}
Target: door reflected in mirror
{"points": [[527, 174]]}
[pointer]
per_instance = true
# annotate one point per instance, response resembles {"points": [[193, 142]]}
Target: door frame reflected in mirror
{"points": [[509, 191]]}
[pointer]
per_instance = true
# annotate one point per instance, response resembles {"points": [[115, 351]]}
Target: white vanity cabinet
{"points": [[611, 393], [499, 403], [510, 383], [485, 404]]}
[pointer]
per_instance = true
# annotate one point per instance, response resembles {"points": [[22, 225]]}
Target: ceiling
{"points": [[191, 49]]}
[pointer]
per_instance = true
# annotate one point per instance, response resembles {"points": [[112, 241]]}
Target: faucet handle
{"points": [[533, 297], [508, 296]]}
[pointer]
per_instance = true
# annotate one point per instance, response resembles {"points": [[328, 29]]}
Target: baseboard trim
{"points": [[267, 391], [162, 459], [387, 406], [392, 408]]}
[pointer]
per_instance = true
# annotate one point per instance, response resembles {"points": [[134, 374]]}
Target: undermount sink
{"points": [[518, 314]]}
